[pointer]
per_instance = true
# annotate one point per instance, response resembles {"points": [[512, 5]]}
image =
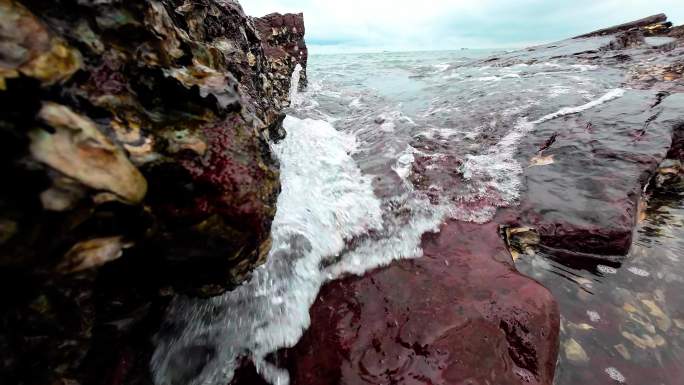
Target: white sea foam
{"points": [[638, 271], [606, 269], [610, 95], [593, 316], [442, 66], [325, 201], [488, 79], [356, 103], [295, 97], [556, 91], [405, 162], [615, 375], [584, 67]]}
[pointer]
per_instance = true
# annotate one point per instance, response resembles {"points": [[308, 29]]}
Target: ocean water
{"points": [[380, 149]]}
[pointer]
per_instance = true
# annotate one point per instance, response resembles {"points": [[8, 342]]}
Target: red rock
{"points": [[283, 43], [461, 314]]}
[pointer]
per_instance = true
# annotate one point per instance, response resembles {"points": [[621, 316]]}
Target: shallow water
{"points": [[626, 318], [383, 148]]}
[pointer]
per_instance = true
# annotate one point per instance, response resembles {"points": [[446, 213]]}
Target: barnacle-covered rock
{"points": [[78, 149], [283, 40], [134, 146]]}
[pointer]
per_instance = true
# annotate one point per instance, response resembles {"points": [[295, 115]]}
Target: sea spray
{"points": [[295, 96], [329, 222]]}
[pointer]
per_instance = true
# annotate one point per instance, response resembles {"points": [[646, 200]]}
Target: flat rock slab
{"points": [[461, 314], [586, 200], [659, 18]]}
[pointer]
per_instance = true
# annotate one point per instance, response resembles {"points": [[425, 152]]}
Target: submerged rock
{"points": [[134, 137]]}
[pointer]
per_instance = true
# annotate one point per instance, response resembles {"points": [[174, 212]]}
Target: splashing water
{"points": [[295, 97], [354, 196]]}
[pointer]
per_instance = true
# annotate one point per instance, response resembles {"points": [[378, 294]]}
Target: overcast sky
{"points": [[362, 25]]}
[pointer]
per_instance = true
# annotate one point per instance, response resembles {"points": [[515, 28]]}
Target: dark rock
{"points": [[677, 148], [657, 29], [133, 135], [587, 201], [647, 21], [629, 39], [460, 314], [677, 32]]}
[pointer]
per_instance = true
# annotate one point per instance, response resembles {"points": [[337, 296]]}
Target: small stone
{"points": [[670, 76], [593, 316], [7, 230], [679, 323], [575, 352], [541, 160], [662, 320], [584, 282], [582, 326], [623, 351], [92, 253], [522, 240], [645, 341]]}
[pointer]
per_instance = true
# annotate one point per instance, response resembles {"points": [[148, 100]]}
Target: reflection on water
{"points": [[624, 323]]}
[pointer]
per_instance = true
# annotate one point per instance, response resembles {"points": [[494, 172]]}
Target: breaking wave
{"points": [[351, 200]]}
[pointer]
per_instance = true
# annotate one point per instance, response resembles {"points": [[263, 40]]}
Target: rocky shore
{"points": [[135, 143], [462, 313]]}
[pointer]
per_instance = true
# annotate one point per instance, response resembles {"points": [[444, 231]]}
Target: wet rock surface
{"points": [[585, 171], [583, 189], [460, 314], [140, 135], [135, 144], [607, 209], [283, 39], [644, 23], [587, 200]]}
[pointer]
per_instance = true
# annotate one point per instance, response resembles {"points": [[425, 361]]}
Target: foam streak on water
{"points": [[610, 95]]}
